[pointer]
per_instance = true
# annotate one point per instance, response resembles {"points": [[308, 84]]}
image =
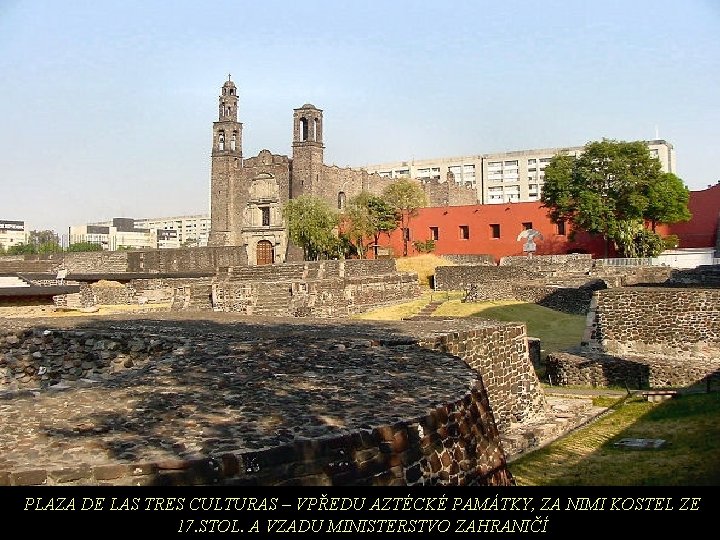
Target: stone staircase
{"points": [[426, 311], [273, 299]]}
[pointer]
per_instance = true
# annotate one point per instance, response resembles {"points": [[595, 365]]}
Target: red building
{"points": [[494, 228], [702, 229]]}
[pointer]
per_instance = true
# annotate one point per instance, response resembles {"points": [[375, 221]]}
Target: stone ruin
{"points": [[314, 288], [225, 399], [647, 326], [645, 337]]}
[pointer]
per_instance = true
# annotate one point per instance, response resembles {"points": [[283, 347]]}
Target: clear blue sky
{"points": [[106, 107]]}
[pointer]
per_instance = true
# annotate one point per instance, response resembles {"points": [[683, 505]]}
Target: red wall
{"points": [[478, 218], [701, 230]]}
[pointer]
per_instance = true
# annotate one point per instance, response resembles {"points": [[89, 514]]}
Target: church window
{"points": [[221, 140], [233, 141], [341, 200], [303, 129], [265, 216]]}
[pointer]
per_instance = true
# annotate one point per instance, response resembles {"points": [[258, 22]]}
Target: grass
{"points": [[556, 330], [690, 424], [396, 312]]}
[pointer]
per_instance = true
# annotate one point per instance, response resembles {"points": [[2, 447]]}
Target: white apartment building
{"points": [[150, 233], [501, 177], [12, 233], [191, 230]]}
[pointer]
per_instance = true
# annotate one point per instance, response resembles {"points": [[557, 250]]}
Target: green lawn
{"points": [[690, 424], [556, 330]]}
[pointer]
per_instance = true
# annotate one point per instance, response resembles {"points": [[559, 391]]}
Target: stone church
{"points": [[247, 194]]}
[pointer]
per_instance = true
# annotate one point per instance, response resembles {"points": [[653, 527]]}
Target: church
{"points": [[247, 194]]}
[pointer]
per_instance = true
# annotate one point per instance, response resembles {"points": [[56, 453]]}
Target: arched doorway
{"points": [[265, 253]]}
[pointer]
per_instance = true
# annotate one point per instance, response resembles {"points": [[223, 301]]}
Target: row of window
{"points": [[493, 231]]}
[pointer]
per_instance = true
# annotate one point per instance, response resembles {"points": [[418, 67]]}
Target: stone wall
{"points": [[499, 353], [201, 259], [29, 263], [485, 260], [665, 321], [576, 262], [317, 297], [702, 276], [597, 369], [626, 276], [138, 372], [457, 278], [449, 193]]}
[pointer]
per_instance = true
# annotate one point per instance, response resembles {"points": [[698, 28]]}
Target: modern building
{"points": [[147, 233], [189, 230], [12, 233], [119, 233], [501, 177]]}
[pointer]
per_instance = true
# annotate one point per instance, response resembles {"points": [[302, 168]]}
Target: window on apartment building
{"points": [[527, 225], [561, 227], [464, 232], [434, 233], [494, 230], [265, 216]]}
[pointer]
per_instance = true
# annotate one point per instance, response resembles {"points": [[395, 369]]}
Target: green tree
{"points": [[406, 197], [22, 249], [44, 241], [667, 200], [367, 217], [426, 246], [608, 190], [84, 246], [312, 225]]}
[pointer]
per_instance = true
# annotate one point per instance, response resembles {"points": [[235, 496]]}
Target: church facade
{"points": [[247, 194]]}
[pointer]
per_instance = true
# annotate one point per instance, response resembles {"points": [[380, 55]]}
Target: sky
{"points": [[106, 108]]}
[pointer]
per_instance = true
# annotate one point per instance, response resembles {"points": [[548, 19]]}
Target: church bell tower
{"points": [[226, 160]]}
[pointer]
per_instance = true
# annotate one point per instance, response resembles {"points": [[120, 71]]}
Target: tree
{"points": [[312, 224], [367, 216], [22, 249], [424, 246], [406, 197], [667, 200], [609, 190], [84, 246], [43, 237]]}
